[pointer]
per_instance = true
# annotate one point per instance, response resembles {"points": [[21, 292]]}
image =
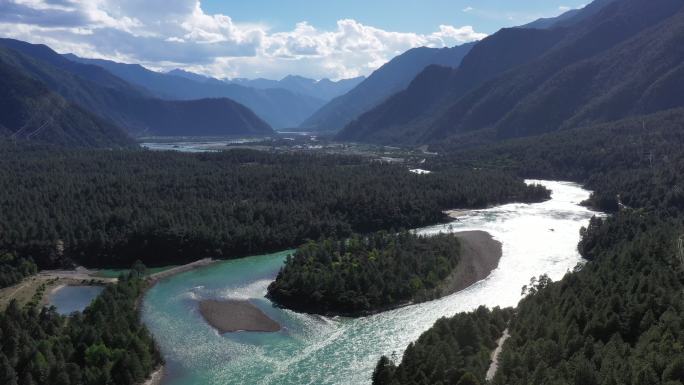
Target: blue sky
{"points": [[421, 16], [263, 38]]}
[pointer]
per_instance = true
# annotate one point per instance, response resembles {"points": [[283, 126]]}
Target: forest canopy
{"points": [[617, 319], [104, 208], [365, 274], [455, 350], [105, 345], [13, 269]]}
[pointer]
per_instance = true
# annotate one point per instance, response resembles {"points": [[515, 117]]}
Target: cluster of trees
{"points": [[105, 345], [635, 161], [109, 208], [13, 269], [455, 351], [618, 319], [361, 274]]}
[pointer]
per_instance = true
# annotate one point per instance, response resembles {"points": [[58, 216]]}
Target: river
{"points": [[537, 239]]}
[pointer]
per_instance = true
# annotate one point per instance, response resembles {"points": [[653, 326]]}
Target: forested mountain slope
{"points": [[387, 80], [455, 350], [492, 56], [278, 106], [130, 107], [609, 158], [570, 17], [617, 319], [30, 111], [623, 61]]}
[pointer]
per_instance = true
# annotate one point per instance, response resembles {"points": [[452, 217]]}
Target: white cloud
{"points": [[565, 8], [177, 33], [468, 9]]}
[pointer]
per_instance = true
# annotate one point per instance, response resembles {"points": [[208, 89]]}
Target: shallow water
{"points": [[537, 239], [69, 299], [199, 146]]}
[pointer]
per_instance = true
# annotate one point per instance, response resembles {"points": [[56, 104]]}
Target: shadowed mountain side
{"points": [[280, 107], [387, 80], [29, 111], [624, 60], [570, 17], [125, 105], [492, 56], [207, 117]]}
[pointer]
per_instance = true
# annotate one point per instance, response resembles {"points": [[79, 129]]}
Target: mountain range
{"points": [[130, 107], [569, 17], [609, 60], [324, 89], [381, 84], [29, 110], [622, 60], [280, 107]]}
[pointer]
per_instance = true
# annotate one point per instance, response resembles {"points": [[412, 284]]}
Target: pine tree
{"points": [[7, 374]]}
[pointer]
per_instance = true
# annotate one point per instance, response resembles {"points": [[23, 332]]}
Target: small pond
{"points": [[69, 299]]}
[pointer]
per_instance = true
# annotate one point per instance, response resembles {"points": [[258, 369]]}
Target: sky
{"points": [[263, 38]]}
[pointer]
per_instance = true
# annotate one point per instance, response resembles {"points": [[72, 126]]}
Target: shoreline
{"points": [[154, 278], [456, 213], [156, 377], [480, 255]]}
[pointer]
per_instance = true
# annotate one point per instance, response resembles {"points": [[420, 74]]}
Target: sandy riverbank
{"points": [[154, 278], [156, 377], [457, 214], [480, 255], [232, 316]]}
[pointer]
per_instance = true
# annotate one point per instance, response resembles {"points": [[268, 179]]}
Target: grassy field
{"points": [[33, 288], [36, 290]]}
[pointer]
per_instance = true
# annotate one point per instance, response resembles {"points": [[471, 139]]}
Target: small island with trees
{"points": [[367, 274]]}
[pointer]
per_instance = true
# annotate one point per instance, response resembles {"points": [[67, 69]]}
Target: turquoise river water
{"points": [[537, 239]]}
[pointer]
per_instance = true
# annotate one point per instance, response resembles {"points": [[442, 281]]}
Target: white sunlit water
{"points": [[537, 239]]}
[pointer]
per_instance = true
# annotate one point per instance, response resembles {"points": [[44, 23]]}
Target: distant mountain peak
{"points": [[96, 100], [188, 75], [392, 77], [324, 89], [571, 16], [298, 77]]}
